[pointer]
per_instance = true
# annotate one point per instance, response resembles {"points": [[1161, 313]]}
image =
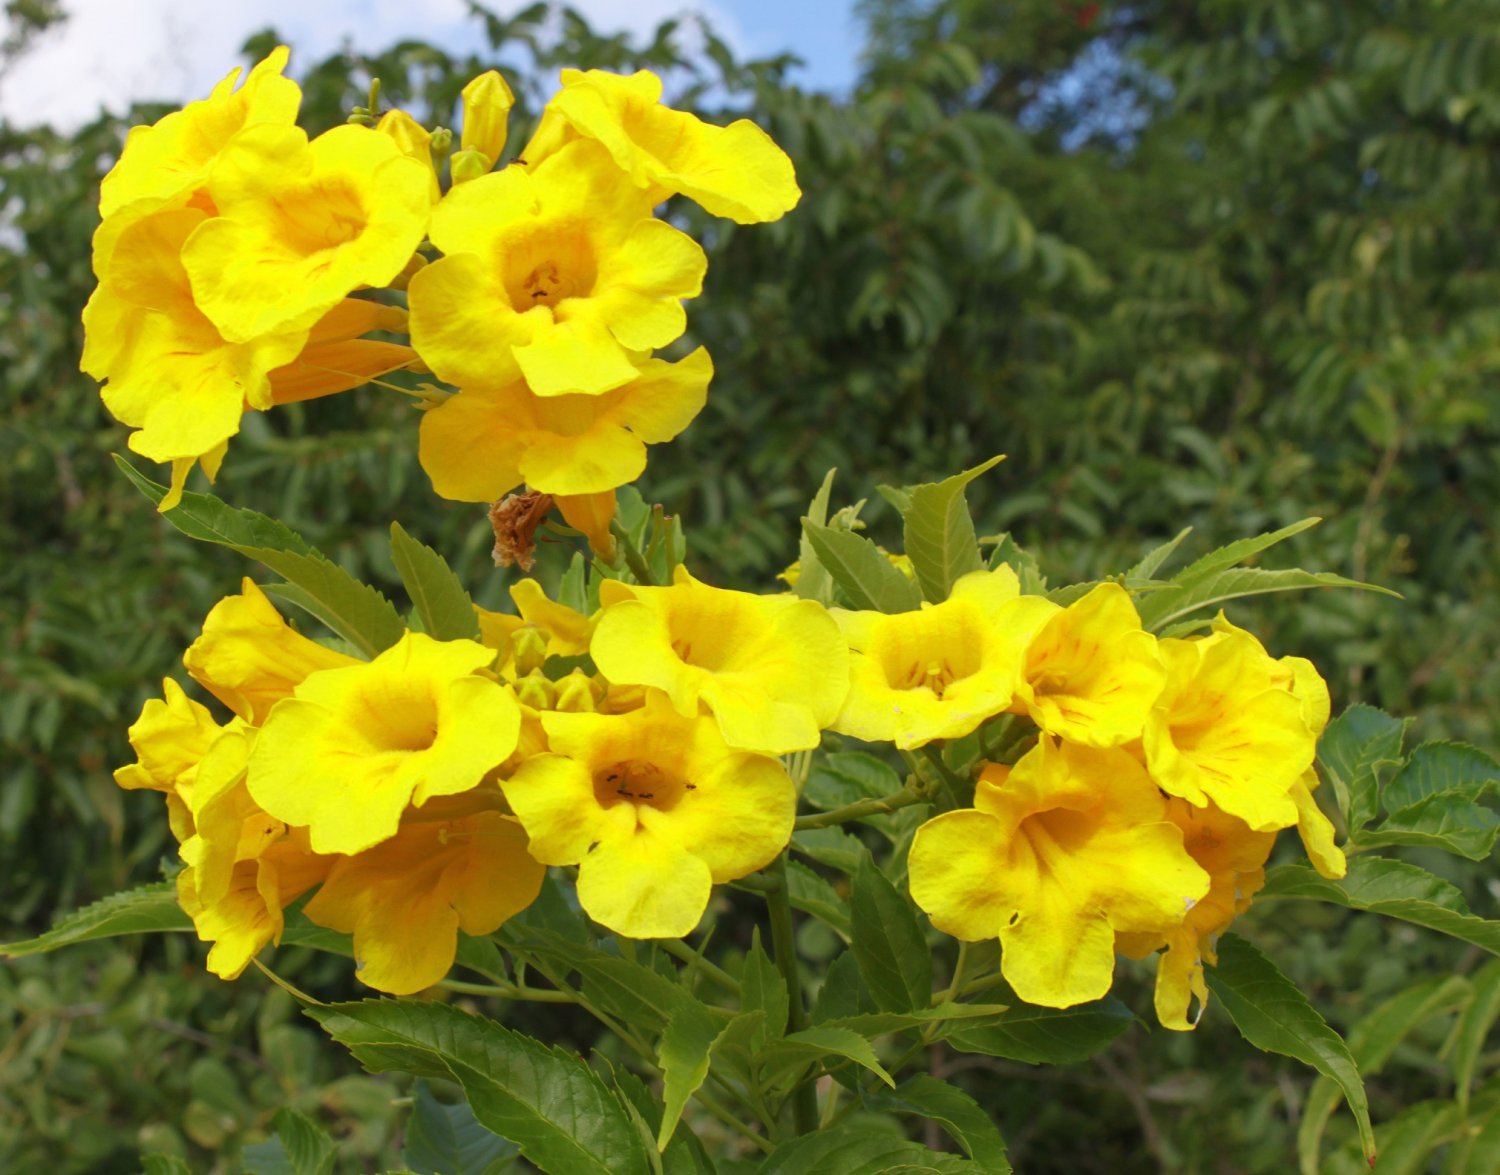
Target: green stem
{"points": [[696, 962], [633, 558], [536, 995], [784, 944], [862, 808]]}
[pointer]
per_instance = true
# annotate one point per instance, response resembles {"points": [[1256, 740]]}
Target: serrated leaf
{"points": [[813, 580], [549, 1103], [833, 847], [867, 578], [1274, 1016], [1440, 767], [843, 992], [819, 1043], [137, 911], [356, 611], [445, 1139], [851, 1148], [1351, 751], [763, 989], [809, 892], [1371, 1043], [1393, 888], [898, 497], [1159, 609], [846, 777], [301, 1147], [635, 993], [876, 1024], [1043, 1036], [1152, 561], [940, 538], [1009, 553], [1232, 554], [895, 961], [683, 1056], [1454, 821], [964, 1120], [444, 607]]}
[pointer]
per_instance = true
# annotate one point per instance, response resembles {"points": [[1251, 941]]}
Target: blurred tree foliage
{"points": [[1219, 264]]}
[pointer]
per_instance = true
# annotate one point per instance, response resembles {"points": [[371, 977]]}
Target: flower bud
{"points": [[536, 692], [487, 103], [529, 648]]}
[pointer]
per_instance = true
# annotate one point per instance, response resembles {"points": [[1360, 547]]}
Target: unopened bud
{"points": [[536, 692], [487, 103], [468, 165], [575, 694], [528, 645]]}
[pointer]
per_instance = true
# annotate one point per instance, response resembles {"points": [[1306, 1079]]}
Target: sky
{"points": [[112, 52]]}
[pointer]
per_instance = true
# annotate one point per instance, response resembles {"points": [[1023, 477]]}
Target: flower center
{"points": [[320, 216], [637, 781], [547, 264]]}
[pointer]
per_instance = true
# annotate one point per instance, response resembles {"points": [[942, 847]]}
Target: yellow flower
{"points": [[1315, 830], [1230, 729], [654, 809], [415, 142], [250, 658], [941, 671], [1234, 858], [567, 631], [335, 358], [479, 445], [1055, 859], [556, 274], [1092, 673], [772, 670], [170, 739], [406, 899], [352, 747], [487, 102], [249, 914], [735, 171], [172, 159], [301, 224]]}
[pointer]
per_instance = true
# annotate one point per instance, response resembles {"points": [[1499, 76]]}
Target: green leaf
{"points": [[866, 577], [683, 1056], [875, 1024], [1160, 609], [819, 1043], [446, 612], [1454, 821], [1440, 767], [843, 992], [1477, 1150], [137, 911], [846, 777], [164, 1165], [1407, 1142], [1274, 1016], [1238, 551], [956, 1112], [1371, 1043], [1043, 1036], [545, 1100], [1353, 749], [940, 539], [356, 611], [813, 580], [448, 1140], [894, 958], [301, 1147], [834, 847], [809, 892], [1152, 562], [1474, 1027], [1009, 553], [1392, 888], [851, 1148], [762, 989]]}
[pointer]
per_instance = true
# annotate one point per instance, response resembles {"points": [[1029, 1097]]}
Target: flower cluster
{"points": [[241, 265]]}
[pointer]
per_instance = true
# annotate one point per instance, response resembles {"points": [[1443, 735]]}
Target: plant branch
{"points": [[784, 944]]}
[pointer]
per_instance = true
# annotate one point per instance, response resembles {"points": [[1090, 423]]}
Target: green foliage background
{"points": [[1219, 264]]}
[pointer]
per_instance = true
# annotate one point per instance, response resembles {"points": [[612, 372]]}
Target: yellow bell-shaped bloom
{"points": [[941, 671], [250, 658], [352, 747], [172, 159], [170, 738], [406, 899], [654, 809], [772, 670], [302, 224], [249, 913], [556, 274], [1057, 857], [1315, 829], [735, 171], [1228, 727], [1092, 673], [415, 142], [1234, 857], [479, 445]]}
